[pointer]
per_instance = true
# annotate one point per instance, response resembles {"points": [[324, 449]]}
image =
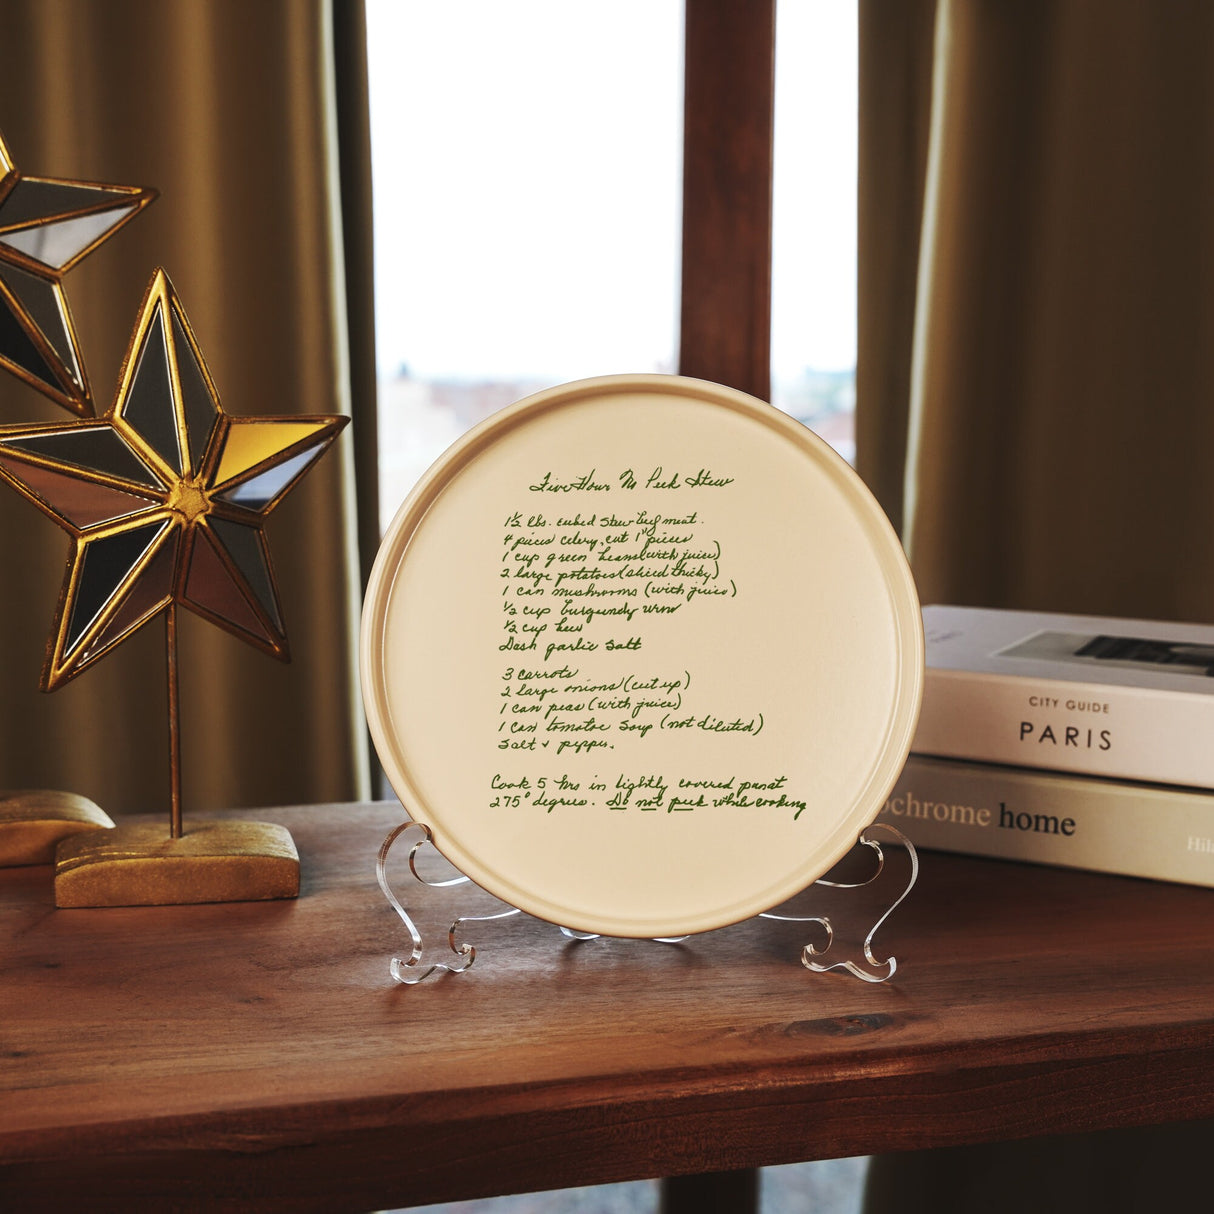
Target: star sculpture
{"points": [[46, 227], [164, 497]]}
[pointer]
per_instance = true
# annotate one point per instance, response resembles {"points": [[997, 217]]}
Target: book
{"points": [[1016, 813], [1131, 699]]}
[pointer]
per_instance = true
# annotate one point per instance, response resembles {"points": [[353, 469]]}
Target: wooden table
{"points": [[258, 1056]]}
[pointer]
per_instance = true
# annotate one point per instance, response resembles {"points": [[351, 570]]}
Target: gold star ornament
{"points": [[46, 227], [164, 498]]}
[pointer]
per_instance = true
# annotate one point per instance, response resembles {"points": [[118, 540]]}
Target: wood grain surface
{"points": [[259, 1056]]}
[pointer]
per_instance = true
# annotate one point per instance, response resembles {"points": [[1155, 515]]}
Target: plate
{"points": [[644, 654]]}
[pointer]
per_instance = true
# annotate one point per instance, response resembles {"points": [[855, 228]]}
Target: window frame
{"points": [[728, 155]]}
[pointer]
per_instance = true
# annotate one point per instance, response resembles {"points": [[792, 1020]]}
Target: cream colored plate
{"points": [[644, 654]]}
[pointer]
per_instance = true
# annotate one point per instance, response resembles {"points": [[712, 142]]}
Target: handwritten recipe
{"points": [[590, 586]]}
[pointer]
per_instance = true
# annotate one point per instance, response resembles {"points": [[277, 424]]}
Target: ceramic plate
{"points": [[644, 654]]}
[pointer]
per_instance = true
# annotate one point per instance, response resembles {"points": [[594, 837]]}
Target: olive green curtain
{"points": [[1035, 387], [1035, 379], [237, 113]]}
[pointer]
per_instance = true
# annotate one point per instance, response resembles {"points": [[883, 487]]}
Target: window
{"points": [[527, 176], [527, 171], [813, 272]]}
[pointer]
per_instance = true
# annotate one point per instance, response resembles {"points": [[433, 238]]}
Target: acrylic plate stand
{"points": [[885, 873]]}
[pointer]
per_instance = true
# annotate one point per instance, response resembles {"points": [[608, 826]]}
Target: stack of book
{"points": [[1070, 740]]}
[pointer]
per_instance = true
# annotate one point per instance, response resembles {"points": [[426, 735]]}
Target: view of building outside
{"points": [[527, 161]]}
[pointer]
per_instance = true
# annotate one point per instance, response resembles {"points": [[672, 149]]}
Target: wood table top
{"points": [[259, 1055]]}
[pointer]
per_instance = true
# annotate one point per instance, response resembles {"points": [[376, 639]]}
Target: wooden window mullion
{"points": [[729, 88]]}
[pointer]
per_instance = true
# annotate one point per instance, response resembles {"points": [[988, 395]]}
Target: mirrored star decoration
{"points": [[164, 498], [47, 226]]}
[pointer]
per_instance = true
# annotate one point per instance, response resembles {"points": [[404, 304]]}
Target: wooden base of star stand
{"points": [[139, 865], [34, 823]]}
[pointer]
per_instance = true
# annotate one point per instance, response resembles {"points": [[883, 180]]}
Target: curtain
{"points": [[232, 111], [1034, 386], [1035, 375]]}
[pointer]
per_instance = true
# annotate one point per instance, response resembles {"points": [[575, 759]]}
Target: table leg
{"points": [[712, 1193]]}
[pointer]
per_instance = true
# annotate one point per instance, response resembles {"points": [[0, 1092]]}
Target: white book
{"points": [[1131, 699], [1014, 813]]}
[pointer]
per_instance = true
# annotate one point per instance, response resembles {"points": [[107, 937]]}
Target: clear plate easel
{"points": [[863, 891]]}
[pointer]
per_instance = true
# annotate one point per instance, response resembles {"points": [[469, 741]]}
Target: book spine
{"points": [[1010, 813], [1133, 733]]}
